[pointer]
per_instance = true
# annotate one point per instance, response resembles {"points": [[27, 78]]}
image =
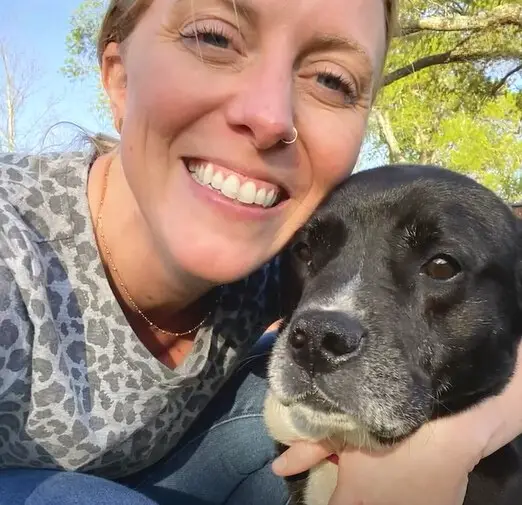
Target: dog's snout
{"points": [[342, 342], [319, 338]]}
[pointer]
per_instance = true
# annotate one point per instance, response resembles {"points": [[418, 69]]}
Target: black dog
{"points": [[405, 305]]}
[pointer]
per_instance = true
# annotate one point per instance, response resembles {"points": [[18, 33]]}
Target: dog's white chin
{"points": [[289, 423]]}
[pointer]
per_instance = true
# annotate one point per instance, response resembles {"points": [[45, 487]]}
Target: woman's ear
{"points": [[114, 80]]}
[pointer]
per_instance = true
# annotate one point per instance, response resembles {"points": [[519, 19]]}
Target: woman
{"points": [[134, 282]]}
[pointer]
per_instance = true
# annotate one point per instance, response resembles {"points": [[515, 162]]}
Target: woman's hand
{"points": [[429, 468]]}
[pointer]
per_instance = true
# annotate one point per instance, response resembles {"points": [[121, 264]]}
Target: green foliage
{"points": [[81, 40], [81, 63], [459, 113]]}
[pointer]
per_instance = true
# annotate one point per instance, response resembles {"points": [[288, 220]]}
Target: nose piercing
{"points": [[294, 138]]}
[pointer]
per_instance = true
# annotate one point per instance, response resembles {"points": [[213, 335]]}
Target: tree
{"points": [[452, 91], [18, 77], [81, 62], [81, 40]]}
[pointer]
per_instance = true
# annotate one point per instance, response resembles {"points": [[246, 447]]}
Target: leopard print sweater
{"points": [[78, 389]]}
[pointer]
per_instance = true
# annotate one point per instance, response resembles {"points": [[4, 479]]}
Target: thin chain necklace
{"points": [[99, 228]]}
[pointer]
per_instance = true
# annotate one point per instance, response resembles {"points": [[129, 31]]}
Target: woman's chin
{"points": [[223, 265], [221, 251], [216, 240]]}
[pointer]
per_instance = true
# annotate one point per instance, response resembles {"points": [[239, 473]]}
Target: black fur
{"points": [[422, 347]]}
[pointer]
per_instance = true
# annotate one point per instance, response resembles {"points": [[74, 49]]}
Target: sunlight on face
{"points": [[212, 87]]}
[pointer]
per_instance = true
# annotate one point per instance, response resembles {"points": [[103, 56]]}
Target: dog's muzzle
{"points": [[320, 341]]}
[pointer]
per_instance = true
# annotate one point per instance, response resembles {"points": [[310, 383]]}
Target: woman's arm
{"points": [[503, 414], [429, 468]]}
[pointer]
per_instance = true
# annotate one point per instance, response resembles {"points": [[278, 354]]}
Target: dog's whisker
{"points": [[437, 402]]}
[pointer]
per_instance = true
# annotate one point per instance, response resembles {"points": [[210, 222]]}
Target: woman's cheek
{"points": [[336, 157], [332, 139]]}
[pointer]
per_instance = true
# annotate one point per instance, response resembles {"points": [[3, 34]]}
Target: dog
{"points": [[403, 303]]}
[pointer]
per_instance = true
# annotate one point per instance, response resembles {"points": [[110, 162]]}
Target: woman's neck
{"points": [[145, 288]]}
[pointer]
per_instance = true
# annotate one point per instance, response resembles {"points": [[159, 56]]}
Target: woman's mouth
{"points": [[234, 186]]}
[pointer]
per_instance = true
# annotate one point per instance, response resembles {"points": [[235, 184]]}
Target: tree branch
{"points": [[9, 101], [502, 82], [508, 14], [441, 59], [389, 137]]}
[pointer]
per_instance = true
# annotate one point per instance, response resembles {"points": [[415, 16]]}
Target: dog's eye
{"points": [[441, 268], [303, 252]]}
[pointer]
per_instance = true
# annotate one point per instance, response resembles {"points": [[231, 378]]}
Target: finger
{"points": [[274, 327], [300, 457]]}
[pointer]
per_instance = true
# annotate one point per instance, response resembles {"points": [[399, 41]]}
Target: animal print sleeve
{"points": [[14, 325], [15, 273]]}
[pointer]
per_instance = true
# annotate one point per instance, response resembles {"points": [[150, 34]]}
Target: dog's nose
{"points": [[324, 338]]}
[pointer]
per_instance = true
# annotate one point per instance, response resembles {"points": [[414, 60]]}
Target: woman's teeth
{"points": [[207, 175]]}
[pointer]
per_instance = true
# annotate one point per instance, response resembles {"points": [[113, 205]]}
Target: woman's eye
{"points": [[339, 84], [330, 81], [214, 38]]}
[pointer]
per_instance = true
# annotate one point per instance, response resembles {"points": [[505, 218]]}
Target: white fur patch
{"points": [[321, 484], [288, 424], [344, 300]]}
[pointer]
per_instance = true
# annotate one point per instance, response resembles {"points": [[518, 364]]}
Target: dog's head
{"points": [[404, 292]]}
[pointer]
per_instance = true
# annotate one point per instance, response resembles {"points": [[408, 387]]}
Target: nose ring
{"points": [[294, 138]]}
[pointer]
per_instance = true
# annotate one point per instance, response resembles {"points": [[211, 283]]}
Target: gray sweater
{"points": [[78, 390]]}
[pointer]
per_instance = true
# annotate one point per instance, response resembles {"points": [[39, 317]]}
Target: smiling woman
{"points": [[267, 80], [138, 278]]}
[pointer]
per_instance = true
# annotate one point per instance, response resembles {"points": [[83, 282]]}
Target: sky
{"points": [[36, 30]]}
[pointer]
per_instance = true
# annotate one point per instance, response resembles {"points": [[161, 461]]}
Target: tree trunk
{"points": [[9, 134], [509, 14], [389, 137]]}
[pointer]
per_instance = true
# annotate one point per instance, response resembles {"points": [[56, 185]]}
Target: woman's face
{"points": [[211, 89]]}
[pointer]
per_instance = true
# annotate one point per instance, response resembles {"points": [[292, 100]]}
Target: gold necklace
{"points": [[99, 229]]}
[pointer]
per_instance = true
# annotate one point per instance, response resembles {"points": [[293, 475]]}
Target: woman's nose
{"points": [[263, 107]]}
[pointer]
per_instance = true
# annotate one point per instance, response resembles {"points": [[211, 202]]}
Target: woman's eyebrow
{"points": [[330, 42], [242, 8]]}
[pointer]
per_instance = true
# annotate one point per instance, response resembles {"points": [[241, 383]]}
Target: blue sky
{"points": [[37, 29]]}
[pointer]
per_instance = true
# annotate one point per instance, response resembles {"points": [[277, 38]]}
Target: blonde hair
{"points": [[121, 19]]}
